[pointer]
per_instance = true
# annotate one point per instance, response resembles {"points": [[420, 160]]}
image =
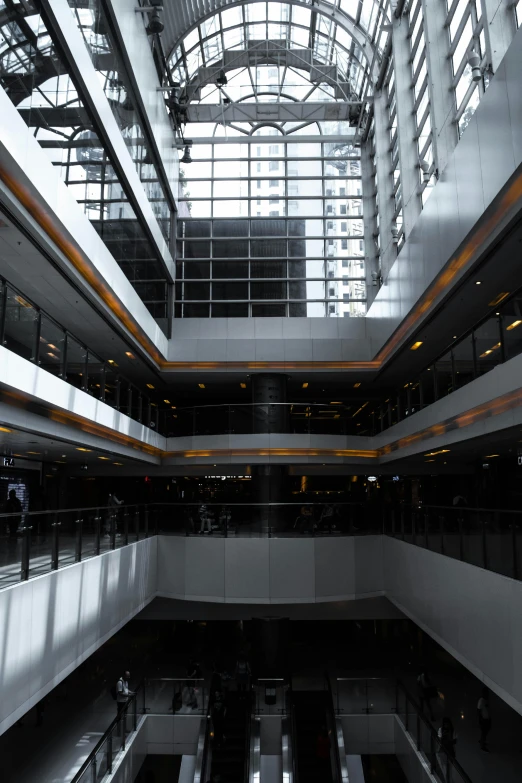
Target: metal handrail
{"points": [[333, 731], [122, 715], [460, 509], [432, 732], [74, 510]]}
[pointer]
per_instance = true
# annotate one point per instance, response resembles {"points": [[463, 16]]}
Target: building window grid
{"points": [[466, 33], [422, 107], [395, 169], [329, 222]]}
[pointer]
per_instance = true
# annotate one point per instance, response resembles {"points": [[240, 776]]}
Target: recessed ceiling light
{"points": [[490, 456], [416, 345], [104, 458], [118, 463], [5, 429], [440, 451], [243, 385], [336, 403], [111, 361], [53, 347], [498, 299], [64, 455], [150, 386], [513, 325], [454, 336], [173, 407], [129, 354], [80, 448], [34, 452], [305, 385], [201, 385], [356, 385], [167, 402], [478, 282], [51, 354]]}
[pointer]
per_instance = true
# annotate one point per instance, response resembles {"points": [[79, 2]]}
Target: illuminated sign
{"points": [[9, 462]]}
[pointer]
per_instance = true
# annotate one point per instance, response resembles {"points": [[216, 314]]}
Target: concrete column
{"points": [[499, 29], [268, 392], [372, 258], [411, 203], [444, 130]]}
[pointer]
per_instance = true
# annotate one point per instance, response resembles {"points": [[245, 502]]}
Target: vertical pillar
{"points": [[406, 130], [384, 196], [270, 415], [499, 29], [372, 260], [440, 78]]}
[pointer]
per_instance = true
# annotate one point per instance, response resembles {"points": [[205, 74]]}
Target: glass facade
{"points": [[465, 27], [296, 238], [35, 76], [421, 95]]}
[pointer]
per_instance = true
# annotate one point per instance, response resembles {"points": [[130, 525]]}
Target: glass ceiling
{"points": [[288, 27]]}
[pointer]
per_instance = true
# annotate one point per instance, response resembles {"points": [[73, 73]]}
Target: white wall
{"points": [[269, 570], [474, 614], [54, 622]]}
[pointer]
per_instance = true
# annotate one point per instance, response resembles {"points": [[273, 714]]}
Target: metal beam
{"points": [[346, 138], [290, 111]]}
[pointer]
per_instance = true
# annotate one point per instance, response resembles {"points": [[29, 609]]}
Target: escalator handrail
{"points": [[464, 777], [293, 731], [248, 736], [201, 773], [331, 717]]}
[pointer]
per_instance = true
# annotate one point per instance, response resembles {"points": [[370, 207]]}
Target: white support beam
{"points": [[499, 29], [385, 194]]}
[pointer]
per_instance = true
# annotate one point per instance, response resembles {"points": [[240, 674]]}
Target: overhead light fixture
{"points": [[434, 453], [454, 336], [416, 345], [474, 62], [111, 361], [34, 452], [167, 402], [356, 385], [478, 282], [305, 386], [425, 168], [130, 355], [221, 78], [81, 448], [336, 403], [173, 407], [118, 463], [498, 299], [513, 325], [53, 347], [150, 386], [490, 456], [155, 25], [104, 458], [243, 385], [52, 355], [430, 460], [186, 155], [5, 429], [201, 385]]}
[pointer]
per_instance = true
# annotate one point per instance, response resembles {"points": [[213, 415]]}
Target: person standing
{"points": [[122, 692], [447, 739], [484, 718], [242, 674], [219, 711], [13, 506]]}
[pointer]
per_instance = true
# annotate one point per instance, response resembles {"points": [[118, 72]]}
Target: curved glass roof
{"points": [[288, 27]]}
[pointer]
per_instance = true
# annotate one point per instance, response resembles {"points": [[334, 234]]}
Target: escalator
{"points": [[228, 761], [312, 741]]}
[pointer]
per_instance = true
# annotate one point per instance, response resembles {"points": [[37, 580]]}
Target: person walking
{"points": [[13, 506], [484, 718], [427, 692], [112, 513], [447, 741]]}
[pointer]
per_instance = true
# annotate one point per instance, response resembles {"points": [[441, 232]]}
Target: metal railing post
{"points": [[55, 552], [26, 548], [461, 536], [112, 529], [135, 715], [137, 523], [484, 547], [125, 527], [97, 519], [514, 546], [146, 523], [402, 522], [109, 753], [78, 552]]}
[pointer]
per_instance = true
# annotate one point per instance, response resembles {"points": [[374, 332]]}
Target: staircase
{"points": [[310, 708], [229, 760]]}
